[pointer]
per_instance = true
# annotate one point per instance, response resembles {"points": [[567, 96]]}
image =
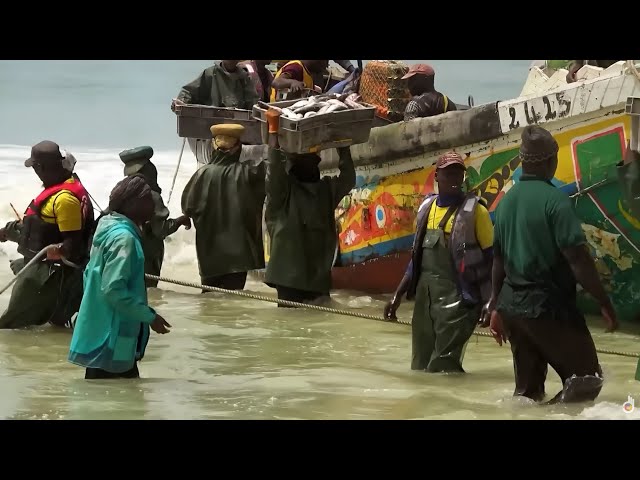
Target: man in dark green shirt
{"points": [[539, 253]]}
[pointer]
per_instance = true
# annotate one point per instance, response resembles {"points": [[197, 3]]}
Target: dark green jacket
{"points": [[225, 200], [218, 88], [153, 235], [300, 218]]}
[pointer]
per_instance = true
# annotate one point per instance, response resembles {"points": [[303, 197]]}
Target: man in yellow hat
{"points": [[225, 199], [137, 161]]}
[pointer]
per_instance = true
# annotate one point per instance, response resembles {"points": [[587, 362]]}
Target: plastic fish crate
{"points": [[320, 132], [195, 121]]}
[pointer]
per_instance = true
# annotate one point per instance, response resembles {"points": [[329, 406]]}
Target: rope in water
{"points": [[337, 311]]}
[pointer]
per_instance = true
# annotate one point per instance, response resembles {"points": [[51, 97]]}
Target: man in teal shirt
{"points": [[539, 253]]}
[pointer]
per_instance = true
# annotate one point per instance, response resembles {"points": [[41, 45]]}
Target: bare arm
{"points": [[346, 64], [584, 269], [391, 307]]}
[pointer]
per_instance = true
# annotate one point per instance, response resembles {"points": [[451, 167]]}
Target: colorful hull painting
{"points": [[395, 170], [377, 219]]}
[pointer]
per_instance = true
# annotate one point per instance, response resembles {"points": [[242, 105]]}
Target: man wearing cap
{"points": [[449, 273], [300, 218], [225, 200], [12, 229], [62, 215], [137, 161], [426, 101], [533, 304]]}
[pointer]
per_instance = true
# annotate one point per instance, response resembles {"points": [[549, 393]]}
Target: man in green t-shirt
{"points": [[539, 253]]}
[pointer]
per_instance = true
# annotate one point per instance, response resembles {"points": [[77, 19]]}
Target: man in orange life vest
{"points": [[50, 291]]}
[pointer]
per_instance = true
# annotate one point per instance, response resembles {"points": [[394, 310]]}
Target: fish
{"points": [[353, 104], [299, 104], [337, 102], [319, 105], [311, 107], [291, 115]]}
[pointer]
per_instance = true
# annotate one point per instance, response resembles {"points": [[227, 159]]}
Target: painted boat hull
{"points": [[592, 129], [395, 170]]}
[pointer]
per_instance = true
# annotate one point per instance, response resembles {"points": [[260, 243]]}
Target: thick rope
{"points": [[336, 311]]}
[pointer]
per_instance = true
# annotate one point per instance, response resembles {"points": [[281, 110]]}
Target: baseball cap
{"points": [[450, 158], [44, 153], [419, 68]]}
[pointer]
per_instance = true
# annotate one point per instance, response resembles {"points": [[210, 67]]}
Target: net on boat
{"points": [[381, 85]]}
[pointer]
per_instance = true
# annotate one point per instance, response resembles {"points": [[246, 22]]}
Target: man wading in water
{"points": [[225, 199], [112, 328], [449, 273], [137, 161], [50, 291], [300, 217], [540, 251]]}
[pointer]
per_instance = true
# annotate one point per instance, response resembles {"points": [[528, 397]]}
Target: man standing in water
{"points": [[50, 291], [540, 251], [112, 329], [137, 161], [449, 273], [12, 229], [300, 217], [225, 200]]}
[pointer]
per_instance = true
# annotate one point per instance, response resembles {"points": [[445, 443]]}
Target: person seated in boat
{"points": [[61, 216], [319, 79], [297, 75], [426, 101], [225, 84], [449, 273], [261, 76], [137, 161], [540, 251], [300, 218], [112, 328], [225, 199], [576, 65]]}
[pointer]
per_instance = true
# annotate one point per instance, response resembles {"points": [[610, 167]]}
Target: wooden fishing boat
{"points": [[587, 118], [395, 170]]}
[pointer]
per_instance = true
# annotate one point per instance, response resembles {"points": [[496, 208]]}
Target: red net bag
{"points": [[381, 85]]}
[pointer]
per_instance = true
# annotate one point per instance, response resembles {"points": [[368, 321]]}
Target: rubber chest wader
{"points": [[441, 324]]}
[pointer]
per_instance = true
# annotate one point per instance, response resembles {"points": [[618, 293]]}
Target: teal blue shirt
{"points": [[112, 328]]}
